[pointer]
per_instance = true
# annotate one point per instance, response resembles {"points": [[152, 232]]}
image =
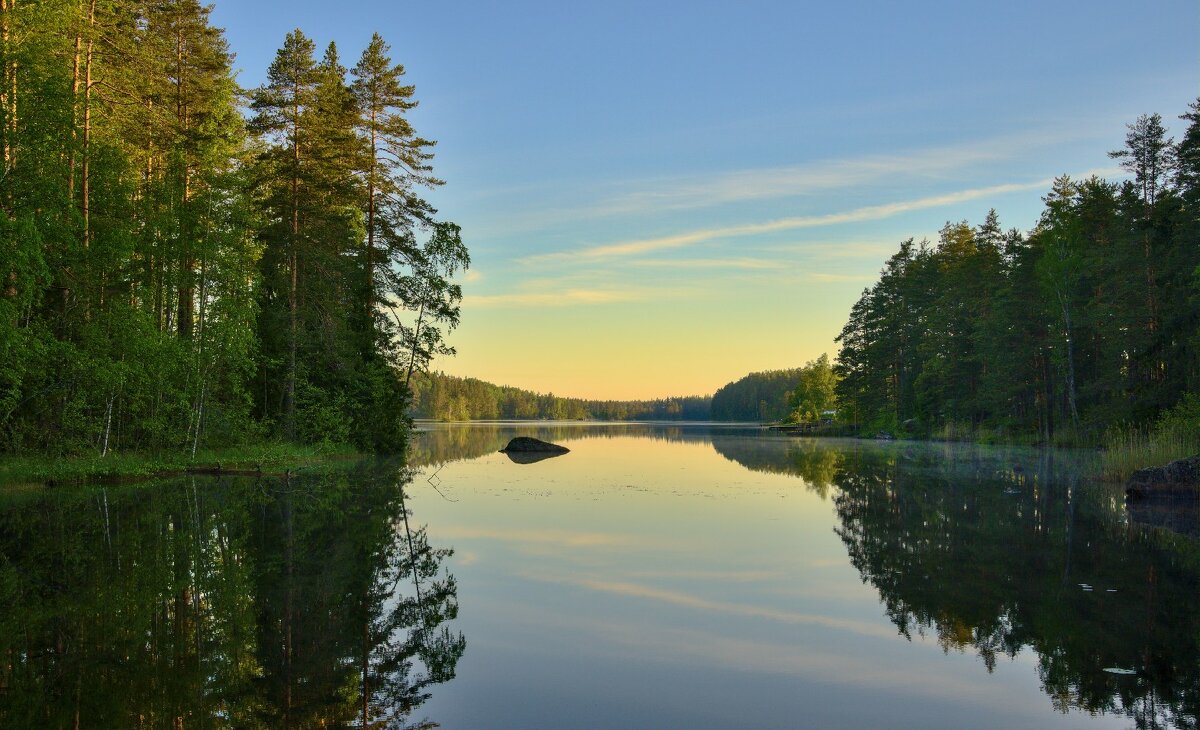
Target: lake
{"points": [[657, 576]]}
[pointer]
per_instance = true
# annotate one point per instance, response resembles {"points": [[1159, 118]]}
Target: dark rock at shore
{"points": [[1180, 477], [529, 445]]}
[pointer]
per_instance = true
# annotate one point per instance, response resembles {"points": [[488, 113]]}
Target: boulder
{"points": [[529, 445], [1180, 478]]}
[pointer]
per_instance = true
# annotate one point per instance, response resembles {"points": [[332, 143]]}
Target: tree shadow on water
{"points": [[313, 601]]}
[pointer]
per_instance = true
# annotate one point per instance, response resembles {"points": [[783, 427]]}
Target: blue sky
{"points": [[660, 198]]}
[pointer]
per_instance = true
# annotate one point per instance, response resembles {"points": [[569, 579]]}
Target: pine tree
{"points": [[398, 163], [281, 110]]}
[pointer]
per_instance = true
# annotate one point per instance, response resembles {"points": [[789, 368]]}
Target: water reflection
{"points": [[309, 602], [1175, 513], [816, 462], [992, 552], [442, 443], [1036, 558]]}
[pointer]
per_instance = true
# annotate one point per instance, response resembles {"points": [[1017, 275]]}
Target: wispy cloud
{"points": [[688, 600], [852, 249], [694, 191], [857, 215], [723, 264], [573, 296], [550, 536], [683, 193], [567, 297], [841, 278]]}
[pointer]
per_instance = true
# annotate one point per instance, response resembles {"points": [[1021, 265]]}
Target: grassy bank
{"points": [[1126, 451], [270, 457], [1123, 450], [1176, 435]]}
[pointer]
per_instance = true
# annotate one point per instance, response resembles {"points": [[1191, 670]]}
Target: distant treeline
{"points": [[756, 397], [1089, 321], [449, 398]]}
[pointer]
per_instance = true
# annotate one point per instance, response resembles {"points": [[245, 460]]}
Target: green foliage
{"points": [[1176, 435], [175, 276], [1089, 320], [756, 397], [447, 398], [815, 393]]}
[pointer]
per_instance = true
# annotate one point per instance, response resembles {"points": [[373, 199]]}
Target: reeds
{"points": [[1128, 449]]}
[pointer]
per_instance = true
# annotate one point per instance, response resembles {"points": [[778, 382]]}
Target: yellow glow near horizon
{"points": [[685, 344]]}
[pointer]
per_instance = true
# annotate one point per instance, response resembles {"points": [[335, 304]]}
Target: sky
{"points": [[660, 198]]}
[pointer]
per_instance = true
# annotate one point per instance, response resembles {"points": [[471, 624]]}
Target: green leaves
{"points": [[171, 270], [1088, 321]]}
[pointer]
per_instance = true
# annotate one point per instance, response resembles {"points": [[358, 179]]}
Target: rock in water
{"points": [[1179, 478], [529, 445], [526, 443], [527, 450]]}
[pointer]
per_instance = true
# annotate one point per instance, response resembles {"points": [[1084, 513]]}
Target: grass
{"points": [[267, 456], [1128, 449], [1175, 436], [956, 431]]}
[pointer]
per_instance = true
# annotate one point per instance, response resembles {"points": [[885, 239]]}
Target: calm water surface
{"points": [[714, 576], [654, 577]]}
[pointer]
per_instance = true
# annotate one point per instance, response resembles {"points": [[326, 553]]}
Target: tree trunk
{"points": [[412, 360], [75, 68], [1071, 401], [371, 216], [9, 91], [366, 663], [187, 268], [293, 266], [84, 184]]}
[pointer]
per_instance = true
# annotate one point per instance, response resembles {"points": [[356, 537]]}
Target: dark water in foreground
{"points": [[656, 576]]}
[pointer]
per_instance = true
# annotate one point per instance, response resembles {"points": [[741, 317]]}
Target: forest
{"points": [[447, 398], [1087, 323], [761, 396], [187, 263]]}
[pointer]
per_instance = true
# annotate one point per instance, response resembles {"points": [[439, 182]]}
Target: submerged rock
{"points": [[527, 450], [1180, 477]]}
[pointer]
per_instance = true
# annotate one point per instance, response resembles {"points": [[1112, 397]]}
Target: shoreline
{"points": [[268, 459]]}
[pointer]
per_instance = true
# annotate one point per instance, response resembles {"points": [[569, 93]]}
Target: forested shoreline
{"points": [[188, 264], [760, 396], [1088, 323], [448, 398]]}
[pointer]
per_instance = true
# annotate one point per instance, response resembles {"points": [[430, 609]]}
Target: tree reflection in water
{"points": [[1032, 557], [993, 551], [307, 602]]}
